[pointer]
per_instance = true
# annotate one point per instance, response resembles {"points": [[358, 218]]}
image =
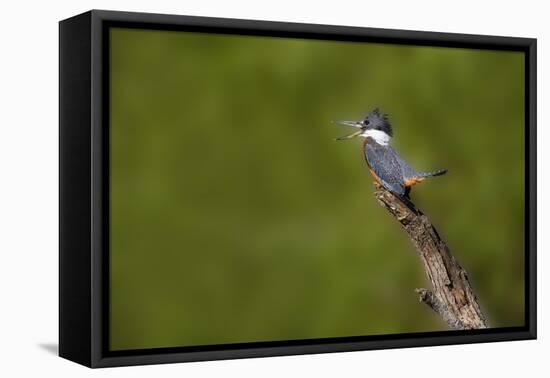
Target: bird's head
{"points": [[375, 125]]}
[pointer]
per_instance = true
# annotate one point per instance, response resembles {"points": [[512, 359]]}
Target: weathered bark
{"points": [[452, 296]]}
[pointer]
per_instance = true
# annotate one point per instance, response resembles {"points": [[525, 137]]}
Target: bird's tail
{"points": [[439, 172]]}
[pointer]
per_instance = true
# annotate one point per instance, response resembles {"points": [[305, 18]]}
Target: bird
{"points": [[389, 169]]}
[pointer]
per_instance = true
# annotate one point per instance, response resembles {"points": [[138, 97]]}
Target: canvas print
{"points": [[270, 189]]}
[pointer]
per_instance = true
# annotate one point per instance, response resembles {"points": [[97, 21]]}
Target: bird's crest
{"points": [[379, 121]]}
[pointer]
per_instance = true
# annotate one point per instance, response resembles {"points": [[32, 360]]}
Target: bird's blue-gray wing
{"points": [[385, 163]]}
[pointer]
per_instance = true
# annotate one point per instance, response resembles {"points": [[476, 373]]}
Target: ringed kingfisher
{"points": [[387, 167]]}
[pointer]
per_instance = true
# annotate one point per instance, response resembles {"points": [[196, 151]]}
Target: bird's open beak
{"points": [[352, 124]]}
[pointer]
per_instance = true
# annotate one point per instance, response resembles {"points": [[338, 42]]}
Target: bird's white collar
{"points": [[379, 136]]}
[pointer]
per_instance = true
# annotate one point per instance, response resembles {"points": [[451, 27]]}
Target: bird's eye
{"points": [[365, 122]]}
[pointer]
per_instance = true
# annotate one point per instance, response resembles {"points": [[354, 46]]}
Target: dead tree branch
{"points": [[452, 296]]}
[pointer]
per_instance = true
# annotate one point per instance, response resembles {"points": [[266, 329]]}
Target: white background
{"points": [[29, 187]]}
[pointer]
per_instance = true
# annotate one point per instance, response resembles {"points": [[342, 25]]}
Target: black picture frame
{"points": [[84, 183]]}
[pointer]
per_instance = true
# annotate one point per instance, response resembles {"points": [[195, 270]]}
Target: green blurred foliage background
{"points": [[235, 216]]}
